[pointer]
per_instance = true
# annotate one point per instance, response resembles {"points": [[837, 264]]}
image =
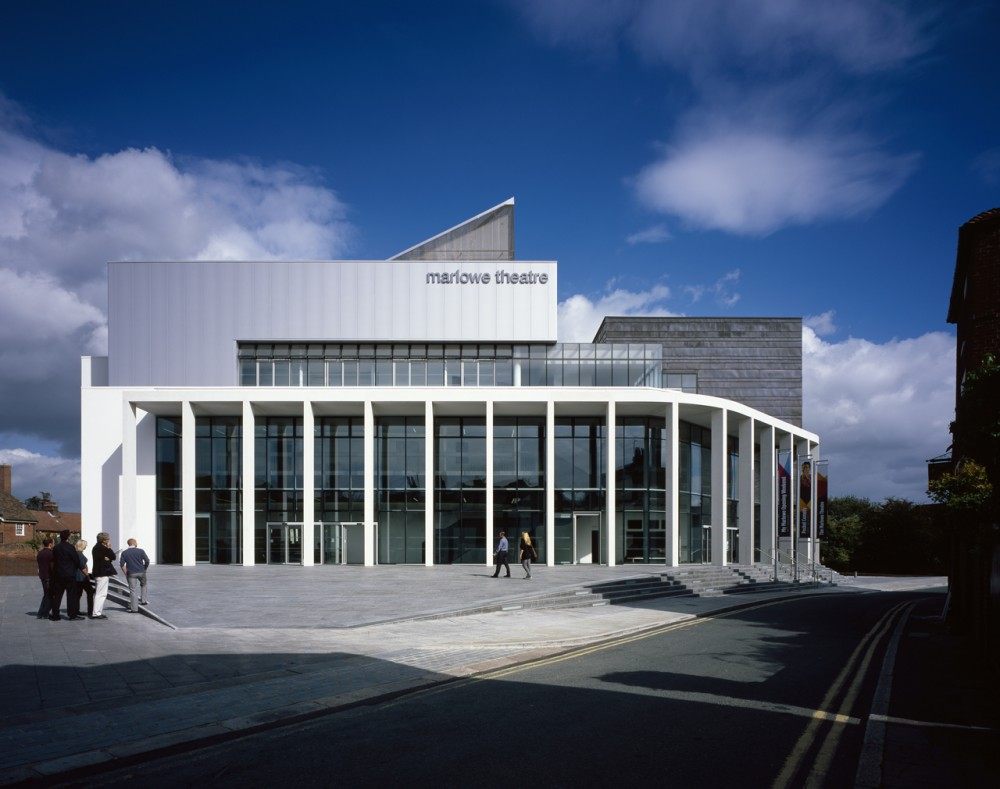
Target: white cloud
{"points": [[33, 472], [580, 316], [880, 409], [821, 324], [696, 36], [722, 289], [651, 235], [63, 216], [763, 144], [726, 176]]}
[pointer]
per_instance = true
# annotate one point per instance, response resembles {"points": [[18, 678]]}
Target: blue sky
{"points": [[709, 158]]}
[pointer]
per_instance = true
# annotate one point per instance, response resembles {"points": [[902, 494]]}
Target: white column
{"points": [[768, 483], [127, 480], [249, 443], [308, 483], [489, 483], [673, 485], [187, 483], [746, 501], [719, 484], [429, 483], [369, 444], [550, 483], [609, 527]]}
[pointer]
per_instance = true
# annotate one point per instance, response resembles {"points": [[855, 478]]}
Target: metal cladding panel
{"points": [[177, 323]]}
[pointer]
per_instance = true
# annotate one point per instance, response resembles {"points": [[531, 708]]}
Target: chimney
{"points": [[5, 478]]}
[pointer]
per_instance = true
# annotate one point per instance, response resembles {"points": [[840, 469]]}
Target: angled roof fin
{"points": [[486, 236]]}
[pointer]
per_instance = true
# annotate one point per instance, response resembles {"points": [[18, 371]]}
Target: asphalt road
{"points": [[751, 699]]}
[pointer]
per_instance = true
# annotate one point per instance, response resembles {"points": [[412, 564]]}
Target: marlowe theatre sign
{"points": [[501, 277]]}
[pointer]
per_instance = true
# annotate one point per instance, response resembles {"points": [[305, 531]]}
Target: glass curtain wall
{"points": [[278, 484], [519, 481], [695, 493], [399, 480], [733, 500], [640, 481], [580, 478], [756, 504], [168, 490], [339, 481], [460, 490], [218, 489]]}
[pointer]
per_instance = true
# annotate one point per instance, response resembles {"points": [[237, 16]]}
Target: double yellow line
{"points": [[855, 669]]}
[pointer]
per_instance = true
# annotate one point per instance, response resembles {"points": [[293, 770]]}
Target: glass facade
{"points": [[338, 482], [278, 485], [400, 457], [695, 493], [520, 476], [168, 490], [559, 364], [580, 487], [640, 489], [460, 490], [519, 481], [218, 489]]}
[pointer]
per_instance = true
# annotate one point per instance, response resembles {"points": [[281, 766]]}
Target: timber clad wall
{"points": [[754, 361]]}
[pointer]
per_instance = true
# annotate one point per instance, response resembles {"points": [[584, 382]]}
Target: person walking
{"points": [[44, 559], [63, 580], [501, 555], [83, 584], [102, 572], [134, 564], [528, 554]]}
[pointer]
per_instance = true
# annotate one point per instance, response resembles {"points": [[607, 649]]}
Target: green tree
{"points": [[845, 520]]}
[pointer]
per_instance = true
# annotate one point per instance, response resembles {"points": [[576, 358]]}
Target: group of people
{"points": [[65, 570], [526, 554]]}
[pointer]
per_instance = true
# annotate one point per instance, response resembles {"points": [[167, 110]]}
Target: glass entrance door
{"points": [[706, 544], [284, 543], [588, 538], [732, 544]]}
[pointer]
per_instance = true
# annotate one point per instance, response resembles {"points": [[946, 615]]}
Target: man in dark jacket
{"points": [[65, 563], [44, 559]]}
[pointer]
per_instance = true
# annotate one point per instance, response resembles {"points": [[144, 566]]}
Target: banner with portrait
{"points": [[822, 476], [784, 493], [805, 498]]}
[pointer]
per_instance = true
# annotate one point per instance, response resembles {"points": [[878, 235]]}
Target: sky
{"points": [[711, 157]]}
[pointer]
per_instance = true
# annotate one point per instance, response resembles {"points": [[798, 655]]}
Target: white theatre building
{"points": [[407, 410]]}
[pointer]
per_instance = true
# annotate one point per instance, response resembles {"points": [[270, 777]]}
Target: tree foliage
{"points": [[967, 490], [895, 537]]}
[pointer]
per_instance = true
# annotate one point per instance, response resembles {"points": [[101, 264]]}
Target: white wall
{"points": [[177, 324]]}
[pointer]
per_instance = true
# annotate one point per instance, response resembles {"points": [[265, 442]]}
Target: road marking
{"points": [[805, 741], [750, 704], [824, 758], [869, 771], [929, 724]]}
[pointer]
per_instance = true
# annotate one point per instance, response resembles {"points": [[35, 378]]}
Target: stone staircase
{"points": [[689, 581]]}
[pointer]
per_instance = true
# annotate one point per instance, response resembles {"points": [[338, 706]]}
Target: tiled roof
{"points": [[56, 521], [13, 511]]}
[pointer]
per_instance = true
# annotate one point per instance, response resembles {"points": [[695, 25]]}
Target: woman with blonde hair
{"points": [[83, 584], [528, 553]]}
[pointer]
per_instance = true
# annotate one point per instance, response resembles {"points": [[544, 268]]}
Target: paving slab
{"points": [[95, 691]]}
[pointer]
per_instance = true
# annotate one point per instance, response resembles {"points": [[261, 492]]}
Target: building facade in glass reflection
{"points": [[381, 412]]}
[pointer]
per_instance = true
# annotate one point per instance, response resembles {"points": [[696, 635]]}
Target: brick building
{"points": [[975, 293], [17, 522]]}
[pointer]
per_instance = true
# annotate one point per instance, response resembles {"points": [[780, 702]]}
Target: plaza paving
{"points": [[255, 645]]}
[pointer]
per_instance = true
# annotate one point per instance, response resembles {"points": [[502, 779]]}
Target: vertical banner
{"points": [[805, 498], [784, 493], [822, 472]]}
